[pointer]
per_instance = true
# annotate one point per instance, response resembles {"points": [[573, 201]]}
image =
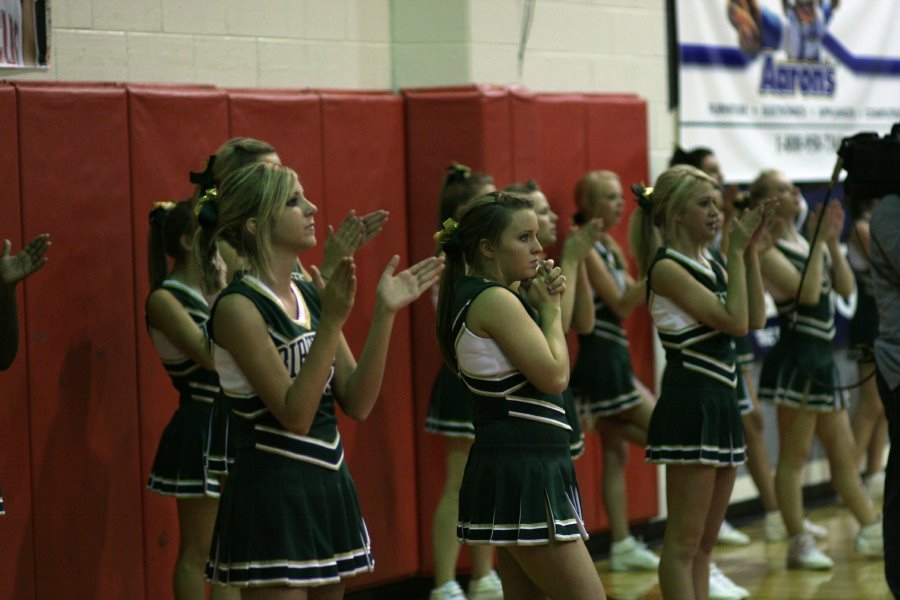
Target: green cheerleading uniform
{"points": [[743, 351], [696, 420], [799, 371], [180, 468], [602, 378], [450, 407], [290, 513], [519, 485]]}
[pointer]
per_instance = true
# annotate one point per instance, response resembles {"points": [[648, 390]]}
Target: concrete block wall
{"points": [[574, 45]]}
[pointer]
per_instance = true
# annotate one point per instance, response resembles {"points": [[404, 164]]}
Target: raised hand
{"points": [[761, 237], [581, 241], [396, 292], [546, 287], [745, 229], [30, 258], [373, 223], [343, 243], [339, 292], [832, 224]]}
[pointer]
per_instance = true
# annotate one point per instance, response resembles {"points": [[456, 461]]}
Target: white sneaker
{"points": [[775, 531], [874, 485], [632, 555], [870, 540], [723, 588], [448, 591], [486, 588], [804, 554], [817, 531], [729, 536]]}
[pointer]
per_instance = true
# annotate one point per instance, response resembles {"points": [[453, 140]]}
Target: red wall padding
{"points": [[82, 378], [363, 151], [87, 399], [17, 570], [292, 123], [515, 135], [171, 131]]}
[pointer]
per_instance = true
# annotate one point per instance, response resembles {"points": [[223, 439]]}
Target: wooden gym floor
{"points": [[760, 567]]}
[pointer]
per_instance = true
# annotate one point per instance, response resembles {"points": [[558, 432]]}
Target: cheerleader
{"points": [[519, 491], [450, 416], [799, 374], [177, 312], [618, 405], [289, 522], [695, 429]]}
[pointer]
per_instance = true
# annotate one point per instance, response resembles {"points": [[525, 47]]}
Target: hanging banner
{"points": [[24, 27], [778, 83]]}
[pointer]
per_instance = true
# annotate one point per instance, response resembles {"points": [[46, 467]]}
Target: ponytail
{"points": [[485, 217], [169, 221], [206, 251], [649, 226]]}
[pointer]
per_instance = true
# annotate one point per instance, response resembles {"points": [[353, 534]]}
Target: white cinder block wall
{"points": [[574, 45]]}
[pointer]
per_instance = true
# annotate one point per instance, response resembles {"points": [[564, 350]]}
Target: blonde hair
{"points": [[232, 155], [761, 188], [651, 226], [587, 190], [257, 191]]}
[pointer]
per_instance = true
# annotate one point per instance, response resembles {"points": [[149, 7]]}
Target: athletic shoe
{"points": [[723, 588], [775, 531], [448, 591], [729, 536], [817, 531], [632, 555], [486, 588], [874, 485], [870, 540], [804, 554]]}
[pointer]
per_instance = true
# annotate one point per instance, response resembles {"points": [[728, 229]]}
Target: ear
{"points": [[486, 248], [250, 226], [186, 241]]}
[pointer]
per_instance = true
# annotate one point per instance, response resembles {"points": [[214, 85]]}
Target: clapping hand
{"points": [[339, 292], [30, 258], [832, 224], [397, 291], [581, 240]]}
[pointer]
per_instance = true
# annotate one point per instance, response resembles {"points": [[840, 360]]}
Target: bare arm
{"points": [[167, 315], [539, 353], [673, 281], [14, 269], [583, 312], [603, 284], [358, 385], [240, 329]]}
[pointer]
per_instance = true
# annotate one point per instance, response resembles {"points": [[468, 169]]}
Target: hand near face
{"points": [[397, 291], [832, 222], [761, 238], [745, 229], [581, 240], [342, 243], [546, 287], [30, 258], [373, 223]]}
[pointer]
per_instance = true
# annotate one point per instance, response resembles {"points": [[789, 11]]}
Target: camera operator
{"points": [[885, 259]]}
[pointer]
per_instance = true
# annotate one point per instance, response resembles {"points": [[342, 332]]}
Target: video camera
{"points": [[872, 164]]}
